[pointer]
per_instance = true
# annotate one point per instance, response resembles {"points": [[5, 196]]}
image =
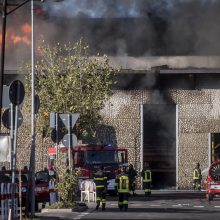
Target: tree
{"points": [[69, 80]]}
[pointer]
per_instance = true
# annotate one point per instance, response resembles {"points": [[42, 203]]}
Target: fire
{"points": [[21, 36], [26, 28]]}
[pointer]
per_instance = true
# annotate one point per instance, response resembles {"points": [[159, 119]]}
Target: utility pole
{"points": [[4, 16]]}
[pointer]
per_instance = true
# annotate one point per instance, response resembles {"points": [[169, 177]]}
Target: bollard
{"points": [[9, 190], [3, 201], [10, 187], [52, 191], [16, 200]]}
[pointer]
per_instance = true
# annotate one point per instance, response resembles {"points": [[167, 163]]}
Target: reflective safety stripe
{"points": [[123, 184], [147, 190], [125, 202], [120, 203], [100, 186], [103, 201], [196, 174], [100, 178], [147, 176], [123, 190], [98, 199]]}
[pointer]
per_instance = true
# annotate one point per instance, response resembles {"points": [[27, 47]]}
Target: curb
{"points": [[81, 207]]}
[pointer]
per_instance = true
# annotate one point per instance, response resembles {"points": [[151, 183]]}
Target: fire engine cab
{"points": [[213, 181], [90, 157]]}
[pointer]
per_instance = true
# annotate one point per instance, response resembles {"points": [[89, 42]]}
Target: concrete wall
{"points": [[198, 115]]}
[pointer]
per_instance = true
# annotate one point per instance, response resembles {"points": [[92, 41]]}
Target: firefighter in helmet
{"points": [[147, 179], [100, 180], [132, 173], [122, 187], [197, 177]]}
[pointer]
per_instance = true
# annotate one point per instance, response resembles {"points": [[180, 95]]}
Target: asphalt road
{"points": [[161, 205]]}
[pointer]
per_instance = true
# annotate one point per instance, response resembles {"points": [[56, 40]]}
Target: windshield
{"points": [[6, 178], [101, 157], [42, 177]]}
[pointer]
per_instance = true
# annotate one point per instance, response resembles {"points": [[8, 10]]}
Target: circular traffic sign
{"points": [[54, 134], [69, 140], [16, 92], [6, 118]]}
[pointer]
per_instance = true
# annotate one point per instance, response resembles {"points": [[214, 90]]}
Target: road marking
{"points": [[217, 206], [81, 215], [178, 205], [199, 206], [155, 205]]}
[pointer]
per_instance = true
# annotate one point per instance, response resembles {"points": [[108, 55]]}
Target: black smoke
{"points": [[138, 28], [124, 27]]}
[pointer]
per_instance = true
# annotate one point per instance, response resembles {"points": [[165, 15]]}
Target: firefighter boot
{"points": [[126, 208], [103, 206]]}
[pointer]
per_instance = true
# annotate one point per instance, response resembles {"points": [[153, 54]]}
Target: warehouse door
{"points": [[159, 147], [215, 147]]}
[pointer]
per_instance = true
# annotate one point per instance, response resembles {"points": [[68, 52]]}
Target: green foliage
{"points": [[69, 80], [67, 185]]}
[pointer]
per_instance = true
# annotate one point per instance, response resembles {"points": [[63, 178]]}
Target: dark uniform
{"points": [[132, 173], [101, 188], [122, 187], [147, 179], [197, 177]]}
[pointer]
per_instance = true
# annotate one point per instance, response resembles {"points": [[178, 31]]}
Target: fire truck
{"points": [[90, 157], [213, 181]]}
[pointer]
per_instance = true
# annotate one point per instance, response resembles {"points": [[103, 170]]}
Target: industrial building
{"points": [[165, 107]]}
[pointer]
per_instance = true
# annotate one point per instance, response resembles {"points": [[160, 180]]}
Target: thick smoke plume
{"points": [[125, 27], [174, 27]]}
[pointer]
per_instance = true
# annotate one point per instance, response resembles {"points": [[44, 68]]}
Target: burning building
{"points": [[165, 106]]}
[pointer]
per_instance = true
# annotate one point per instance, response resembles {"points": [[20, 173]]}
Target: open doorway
{"points": [[159, 147], [215, 146]]}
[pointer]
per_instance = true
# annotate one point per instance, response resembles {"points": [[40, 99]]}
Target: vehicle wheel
{"points": [[209, 197]]}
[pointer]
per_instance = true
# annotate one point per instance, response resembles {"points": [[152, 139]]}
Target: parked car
{"points": [[41, 184]]}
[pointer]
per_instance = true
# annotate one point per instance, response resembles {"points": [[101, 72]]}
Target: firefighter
{"points": [[197, 177], [122, 187], [101, 187], [132, 173], [147, 179]]}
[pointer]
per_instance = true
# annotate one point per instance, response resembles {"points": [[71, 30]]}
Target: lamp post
{"points": [[32, 159]]}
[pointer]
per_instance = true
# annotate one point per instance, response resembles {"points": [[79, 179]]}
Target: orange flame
{"points": [[24, 36]]}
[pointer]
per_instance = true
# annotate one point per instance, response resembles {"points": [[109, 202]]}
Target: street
{"points": [[161, 205]]}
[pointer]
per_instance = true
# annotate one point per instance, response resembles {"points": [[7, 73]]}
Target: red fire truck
{"points": [[213, 181], [90, 157]]}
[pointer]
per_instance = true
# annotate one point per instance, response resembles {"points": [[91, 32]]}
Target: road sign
{"points": [[52, 150], [16, 92], [5, 99], [53, 135], [6, 118], [64, 118], [69, 140]]}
